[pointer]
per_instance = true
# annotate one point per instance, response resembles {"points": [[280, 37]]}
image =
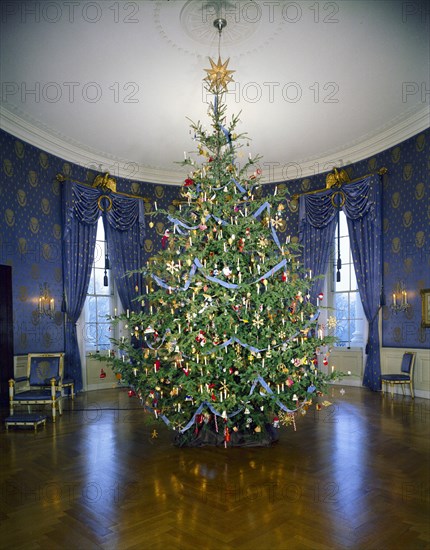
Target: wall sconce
{"points": [[46, 302], [400, 298]]}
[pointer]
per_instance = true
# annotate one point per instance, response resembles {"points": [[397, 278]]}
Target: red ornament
{"points": [[157, 365], [325, 361], [320, 296], [131, 393], [201, 337], [188, 182], [284, 276], [102, 373], [165, 239]]}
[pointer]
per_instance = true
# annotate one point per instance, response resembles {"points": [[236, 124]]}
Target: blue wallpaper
{"points": [[406, 231], [30, 232]]}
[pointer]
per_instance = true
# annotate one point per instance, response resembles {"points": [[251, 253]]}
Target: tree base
{"points": [[207, 436]]}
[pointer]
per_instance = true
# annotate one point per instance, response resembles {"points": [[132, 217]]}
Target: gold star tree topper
{"points": [[218, 75]]}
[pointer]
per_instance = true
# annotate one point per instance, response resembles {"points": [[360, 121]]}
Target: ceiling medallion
{"points": [[249, 26], [197, 19]]}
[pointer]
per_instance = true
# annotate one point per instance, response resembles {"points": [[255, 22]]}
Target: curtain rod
{"points": [[337, 178], [105, 183]]}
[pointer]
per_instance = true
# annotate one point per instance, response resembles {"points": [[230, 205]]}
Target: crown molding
{"points": [[65, 148]]}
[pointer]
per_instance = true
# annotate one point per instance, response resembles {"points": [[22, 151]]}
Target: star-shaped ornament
{"points": [[218, 75]]}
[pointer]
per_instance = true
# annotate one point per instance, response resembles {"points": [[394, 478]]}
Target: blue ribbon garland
{"points": [[198, 265], [214, 411]]}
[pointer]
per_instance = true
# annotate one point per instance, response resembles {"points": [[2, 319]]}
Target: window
{"points": [[344, 298], [100, 300]]}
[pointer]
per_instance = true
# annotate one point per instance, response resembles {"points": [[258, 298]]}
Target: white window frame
{"points": [[358, 339], [114, 306]]}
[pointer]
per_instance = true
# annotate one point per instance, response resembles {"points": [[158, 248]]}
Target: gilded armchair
{"points": [[41, 386]]}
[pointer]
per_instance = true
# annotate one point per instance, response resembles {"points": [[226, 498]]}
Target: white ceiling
{"points": [[110, 85]]}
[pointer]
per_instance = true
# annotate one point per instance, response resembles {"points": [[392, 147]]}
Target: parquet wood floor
{"points": [[355, 476]]}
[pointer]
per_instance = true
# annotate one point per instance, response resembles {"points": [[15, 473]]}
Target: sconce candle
{"points": [[400, 298], [46, 304]]}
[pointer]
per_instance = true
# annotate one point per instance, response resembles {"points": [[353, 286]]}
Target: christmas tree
{"points": [[223, 349]]}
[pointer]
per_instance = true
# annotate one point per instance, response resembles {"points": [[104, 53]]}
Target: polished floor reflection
{"points": [[355, 475]]}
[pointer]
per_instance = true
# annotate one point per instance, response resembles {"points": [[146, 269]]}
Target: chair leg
{"points": [[384, 387], [412, 390], [392, 390], [403, 389]]}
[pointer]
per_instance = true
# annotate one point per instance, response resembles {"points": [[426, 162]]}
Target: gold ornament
{"points": [[287, 419], [172, 267], [277, 223], [257, 321], [263, 242], [218, 75]]}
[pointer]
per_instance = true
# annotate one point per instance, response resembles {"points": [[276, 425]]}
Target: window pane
{"points": [[90, 335], [91, 285], [99, 303], [99, 254], [104, 334], [345, 297], [91, 309], [103, 308], [341, 305], [341, 331], [344, 249], [343, 224], [343, 285], [353, 279], [100, 236]]}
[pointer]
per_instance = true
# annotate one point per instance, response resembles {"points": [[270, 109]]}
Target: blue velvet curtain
{"points": [[363, 211], [361, 202], [124, 226], [123, 219], [80, 215], [317, 224]]}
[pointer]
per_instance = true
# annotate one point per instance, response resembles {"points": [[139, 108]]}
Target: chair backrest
{"points": [[408, 362], [41, 367]]}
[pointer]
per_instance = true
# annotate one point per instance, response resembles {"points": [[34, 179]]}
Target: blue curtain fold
{"points": [[317, 224], [79, 239], [124, 226], [123, 219], [362, 205], [365, 231]]}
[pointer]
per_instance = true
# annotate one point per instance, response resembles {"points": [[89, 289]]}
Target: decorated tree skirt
{"points": [[208, 436]]}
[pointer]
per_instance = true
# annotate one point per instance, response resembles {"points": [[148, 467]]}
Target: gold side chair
{"points": [[41, 386], [405, 376]]}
